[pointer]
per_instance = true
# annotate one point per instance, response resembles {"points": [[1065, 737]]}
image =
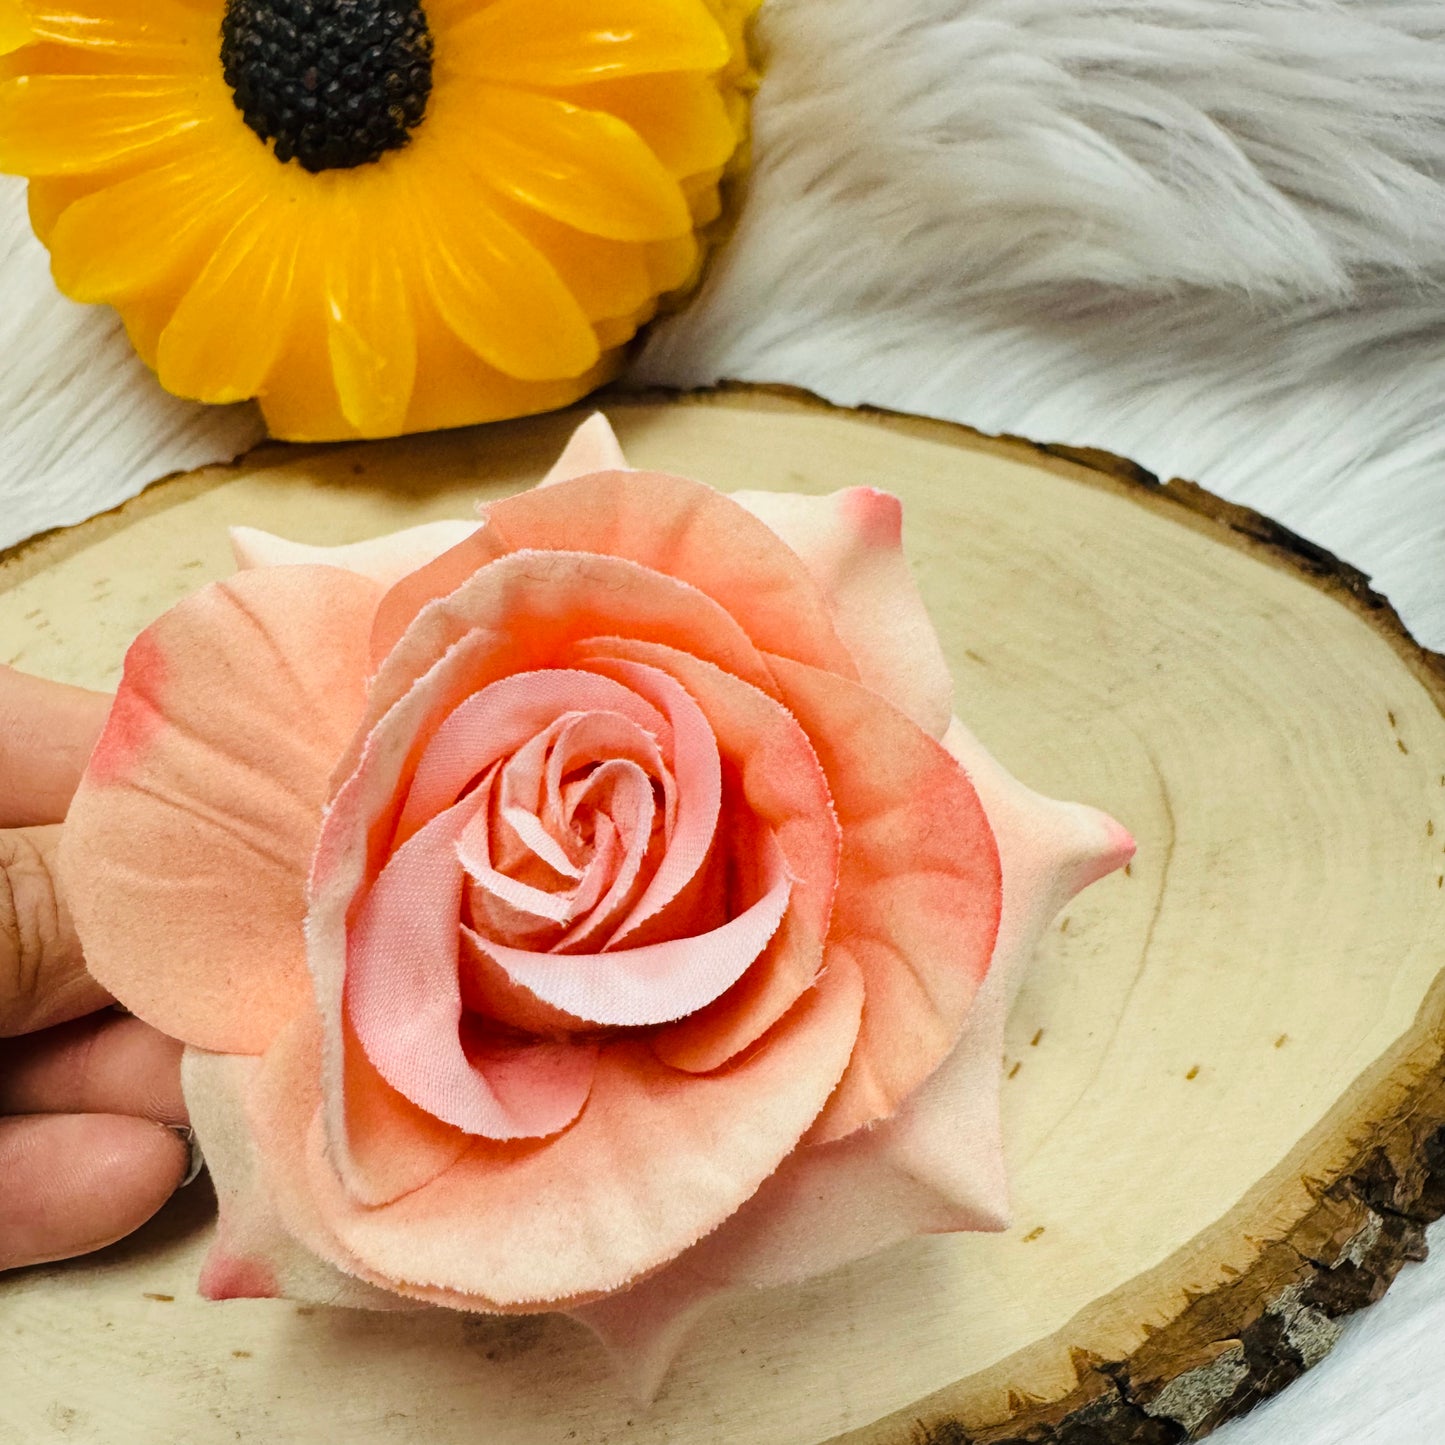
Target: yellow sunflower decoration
{"points": [[375, 216]]}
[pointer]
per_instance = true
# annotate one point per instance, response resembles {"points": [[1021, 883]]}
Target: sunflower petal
{"points": [[370, 331], [14, 28], [571, 42], [230, 326], [63, 124], [157, 30], [129, 236], [499, 295], [681, 118], [584, 167]]}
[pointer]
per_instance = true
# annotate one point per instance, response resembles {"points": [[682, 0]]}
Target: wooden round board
{"points": [[1224, 1097]]}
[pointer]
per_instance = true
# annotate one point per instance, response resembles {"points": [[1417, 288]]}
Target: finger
{"points": [[42, 977], [70, 1183], [104, 1064], [47, 731]]}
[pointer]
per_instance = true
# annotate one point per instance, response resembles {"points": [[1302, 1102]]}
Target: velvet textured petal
{"points": [[919, 889], [657, 1160], [852, 543], [784, 790], [496, 720], [692, 533], [937, 1165], [186, 849], [593, 447], [659, 982], [404, 997], [527, 610], [252, 1255], [384, 559]]}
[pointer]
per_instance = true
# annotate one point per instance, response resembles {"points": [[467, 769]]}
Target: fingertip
{"points": [[47, 731], [78, 1182], [105, 1064]]}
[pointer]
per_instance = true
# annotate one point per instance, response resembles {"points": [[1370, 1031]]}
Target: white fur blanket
{"points": [[1207, 234]]}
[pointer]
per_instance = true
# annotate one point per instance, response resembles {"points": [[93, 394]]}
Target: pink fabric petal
{"points": [[593, 447], [404, 997], [528, 610], [852, 543], [669, 524], [252, 1255], [919, 894], [937, 1165], [488, 991], [697, 771], [384, 559], [391, 1145], [656, 1160], [783, 789], [498, 719], [690, 532], [659, 982], [187, 846]]}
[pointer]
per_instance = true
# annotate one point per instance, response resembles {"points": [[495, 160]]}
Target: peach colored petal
{"points": [[497, 719], [252, 1255], [852, 543], [391, 1146], [698, 773], [678, 527], [918, 899], [530, 608], [690, 532], [937, 1165], [187, 846], [593, 447], [384, 559], [783, 788], [403, 996], [656, 1160], [659, 982], [488, 991]]}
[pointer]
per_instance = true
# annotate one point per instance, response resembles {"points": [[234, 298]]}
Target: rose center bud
{"points": [[332, 83]]}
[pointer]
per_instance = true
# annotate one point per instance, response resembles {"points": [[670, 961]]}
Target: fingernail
{"points": [[187, 1136]]}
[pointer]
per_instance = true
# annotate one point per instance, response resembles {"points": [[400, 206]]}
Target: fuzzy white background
{"points": [[1207, 234]]}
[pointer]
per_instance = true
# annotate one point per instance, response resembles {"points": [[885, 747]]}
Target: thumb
{"points": [[42, 975]]}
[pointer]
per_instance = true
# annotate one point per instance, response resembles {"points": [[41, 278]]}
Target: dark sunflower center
{"points": [[333, 83]]}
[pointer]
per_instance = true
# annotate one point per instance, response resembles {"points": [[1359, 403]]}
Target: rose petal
{"points": [[937, 1165], [385, 559], [690, 532], [528, 609], [403, 995], [656, 1160], [697, 773], [852, 543], [783, 788], [677, 527], [187, 846], [918, 899], [659, 982], [252, 1255], [498, 719], [593, 447]]}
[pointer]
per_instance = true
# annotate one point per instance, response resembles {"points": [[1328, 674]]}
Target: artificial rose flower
{"points": [[592, 908]]}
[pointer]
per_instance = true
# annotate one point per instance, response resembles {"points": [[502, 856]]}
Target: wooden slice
{"points": [[1224, 1104]]}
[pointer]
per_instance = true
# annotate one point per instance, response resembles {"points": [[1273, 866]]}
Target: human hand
{"points": [[85, 1096]]}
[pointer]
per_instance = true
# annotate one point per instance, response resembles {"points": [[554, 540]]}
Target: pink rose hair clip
{"points": [[591, 908]]}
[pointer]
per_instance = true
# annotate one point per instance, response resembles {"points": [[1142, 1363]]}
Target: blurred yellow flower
{"points": [[375, 216]]}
